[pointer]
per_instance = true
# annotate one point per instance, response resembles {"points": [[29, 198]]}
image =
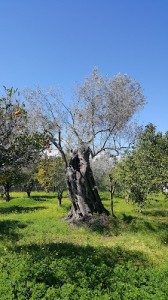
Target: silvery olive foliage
{"points": [[98, 118], [100, 115], [102, 166]]}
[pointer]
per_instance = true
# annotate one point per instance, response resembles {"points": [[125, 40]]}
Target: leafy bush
{"points": [[42, 257], [71, 272]]}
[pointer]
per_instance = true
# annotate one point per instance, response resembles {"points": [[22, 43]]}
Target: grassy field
{"points": [[44, 257]]}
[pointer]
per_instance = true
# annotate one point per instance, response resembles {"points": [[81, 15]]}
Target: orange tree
{"points": [[18, 147], [51, 174], [145, 169]]}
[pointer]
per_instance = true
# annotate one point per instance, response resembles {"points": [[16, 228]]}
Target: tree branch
{"points": [[59, 146]]}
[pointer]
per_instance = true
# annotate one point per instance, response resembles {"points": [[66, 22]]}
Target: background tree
{"points": [[59, 178], [145, 169], [51, 175], [102, 167], [98, 119], [29, 176], [18, 146], [44, 172], [129, 180], [152, 155]]}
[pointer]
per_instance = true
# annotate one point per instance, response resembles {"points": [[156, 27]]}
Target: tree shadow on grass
{"points": [[45, 197], [138, 224], [42, 197], [19, 209], [114, 226], [128, 218], [94, 255], [126, 223], [8, 230], [156, 213], [135, 224], [68, 271]]}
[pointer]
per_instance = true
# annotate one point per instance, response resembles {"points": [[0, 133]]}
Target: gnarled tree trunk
{"points": [[82, 188]]}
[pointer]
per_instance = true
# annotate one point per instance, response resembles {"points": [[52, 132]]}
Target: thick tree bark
{"points": [[82, 188], [60, 197], [7, 188], [28, 193], [29, 187]]}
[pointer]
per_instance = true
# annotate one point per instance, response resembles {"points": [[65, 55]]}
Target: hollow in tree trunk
{"points": [[82, 188]]}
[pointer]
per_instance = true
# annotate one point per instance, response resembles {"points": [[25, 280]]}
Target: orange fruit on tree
{"points": [[18, 112]]}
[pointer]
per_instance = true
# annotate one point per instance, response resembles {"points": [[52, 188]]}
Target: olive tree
{"points": [[102, 167], [99, 118]]}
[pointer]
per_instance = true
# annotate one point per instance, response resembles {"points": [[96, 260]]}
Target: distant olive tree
{"points": [[99, 118], [103, 167]]}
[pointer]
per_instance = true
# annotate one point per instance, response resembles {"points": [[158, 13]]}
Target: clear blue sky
{"points": [[50, 42]]}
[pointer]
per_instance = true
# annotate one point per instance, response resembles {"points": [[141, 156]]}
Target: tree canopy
{"points": [[99, 118], [99, 115]]}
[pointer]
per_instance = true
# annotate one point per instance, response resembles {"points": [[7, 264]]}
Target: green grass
{"points": [[44, 257]]}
